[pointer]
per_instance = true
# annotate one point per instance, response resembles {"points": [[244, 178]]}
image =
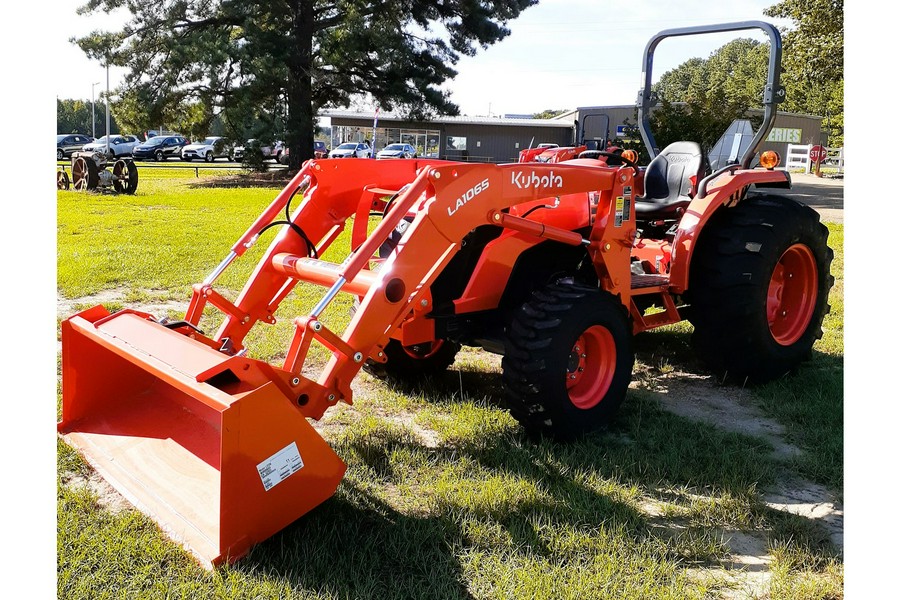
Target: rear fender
{"points": [[724, 192]]}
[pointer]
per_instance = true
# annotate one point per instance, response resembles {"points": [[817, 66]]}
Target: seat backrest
{"points": [[667, 179]]}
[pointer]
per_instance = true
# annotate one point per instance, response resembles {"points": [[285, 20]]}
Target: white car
{"points": [[397, 151], [119, 145], [268, 151], [352, 150], [209, 150]]}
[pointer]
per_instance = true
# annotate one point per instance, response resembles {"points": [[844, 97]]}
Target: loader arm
{"points": [[447, 199]]}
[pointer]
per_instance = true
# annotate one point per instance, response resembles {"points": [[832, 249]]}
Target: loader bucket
{"points": [[208, 445]]}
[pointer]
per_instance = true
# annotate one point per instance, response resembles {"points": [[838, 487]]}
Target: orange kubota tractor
{"points": [[554, 266]]}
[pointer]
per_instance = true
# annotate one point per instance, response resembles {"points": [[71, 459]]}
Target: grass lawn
{"points": [[444, 496]]}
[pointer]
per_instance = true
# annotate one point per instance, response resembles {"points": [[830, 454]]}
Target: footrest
{"points": [[648, 281]]}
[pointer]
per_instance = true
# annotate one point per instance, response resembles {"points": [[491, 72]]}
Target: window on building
{"points": [[456, 143]]}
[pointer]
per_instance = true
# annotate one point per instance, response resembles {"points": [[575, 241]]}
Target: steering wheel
{"points": [[616, 155]]}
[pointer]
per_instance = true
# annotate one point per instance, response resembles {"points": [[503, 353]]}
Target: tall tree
{"points": [[814, 60], [74, 116], [701, 97], [275, 63]]}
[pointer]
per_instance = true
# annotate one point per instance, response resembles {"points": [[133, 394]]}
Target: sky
{"points": [[560, 54]]}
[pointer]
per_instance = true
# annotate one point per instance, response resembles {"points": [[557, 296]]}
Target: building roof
{"points": [[458, 120]]}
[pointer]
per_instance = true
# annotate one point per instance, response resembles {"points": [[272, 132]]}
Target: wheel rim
{"points": [[79, 174], [591, 367], [791, 298], [120, 172], [60, 155], [423, 351]]}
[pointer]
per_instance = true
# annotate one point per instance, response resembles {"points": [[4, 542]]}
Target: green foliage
{"points": [[549, 113], [700, 98], [253, 157], [731, 81], [74, 116], [814, 61], [270, 66]]}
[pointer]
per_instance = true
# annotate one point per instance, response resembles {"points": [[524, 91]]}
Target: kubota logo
{"points": [[468, 196], [523, 180]]}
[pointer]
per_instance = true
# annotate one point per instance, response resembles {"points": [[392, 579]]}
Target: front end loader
{"points": [[555, 266]]}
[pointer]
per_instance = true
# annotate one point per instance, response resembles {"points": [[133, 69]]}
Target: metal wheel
{"points": [[85, 175], [209, 157], [791, 299], [125, 176], [62, 180]]}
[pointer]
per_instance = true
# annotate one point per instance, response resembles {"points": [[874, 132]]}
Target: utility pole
{"points": [[107, 105], [93, 124]]}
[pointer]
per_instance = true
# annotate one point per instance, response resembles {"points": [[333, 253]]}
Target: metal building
{"points": [[476, 139], [499, 139]]}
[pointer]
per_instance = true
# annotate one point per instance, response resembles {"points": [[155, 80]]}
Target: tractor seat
{"points": [[668, 187]]}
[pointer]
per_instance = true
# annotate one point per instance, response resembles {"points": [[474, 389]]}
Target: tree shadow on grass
{"points": [[358, 545]]}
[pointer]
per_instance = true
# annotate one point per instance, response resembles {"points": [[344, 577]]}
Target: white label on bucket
{"points": [[280, 466]]}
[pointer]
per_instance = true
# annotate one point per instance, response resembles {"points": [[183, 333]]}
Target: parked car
{"points": [[352, 150], [66, 144], [209, 149], [269, 150], [160, 147], [320, 150], [397, 151], [119, 145], [157, 132]]}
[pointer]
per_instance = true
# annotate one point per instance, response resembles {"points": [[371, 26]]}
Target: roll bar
{"points": [[772, 95]]}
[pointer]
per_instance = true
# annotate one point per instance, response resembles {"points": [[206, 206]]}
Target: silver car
{"points": [[352, 150], [119, 145], [397, 151]]}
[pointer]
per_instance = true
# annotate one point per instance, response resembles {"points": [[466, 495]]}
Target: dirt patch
{"points": [[701, 399], [269, 179], [107, 497], [65, 307]]}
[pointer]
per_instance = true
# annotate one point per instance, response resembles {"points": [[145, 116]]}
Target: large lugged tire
{"points": [[758, 288], [409, 363], [568, 360]]}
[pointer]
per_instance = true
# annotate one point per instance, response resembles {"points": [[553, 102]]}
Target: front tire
{"points": [[160, 156], [410, 363], [568, 361], [759, 285]]}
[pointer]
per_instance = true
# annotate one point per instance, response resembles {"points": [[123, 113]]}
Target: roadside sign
{"points": [[817, 154]]}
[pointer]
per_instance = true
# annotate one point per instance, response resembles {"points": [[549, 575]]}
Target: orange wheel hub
{"points": [[791, 299]]}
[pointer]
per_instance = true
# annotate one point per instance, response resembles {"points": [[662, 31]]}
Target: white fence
{"points": [[798, 158]]}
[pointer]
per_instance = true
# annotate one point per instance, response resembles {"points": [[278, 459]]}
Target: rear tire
{"points": [[568, 360], [759, 285]]}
